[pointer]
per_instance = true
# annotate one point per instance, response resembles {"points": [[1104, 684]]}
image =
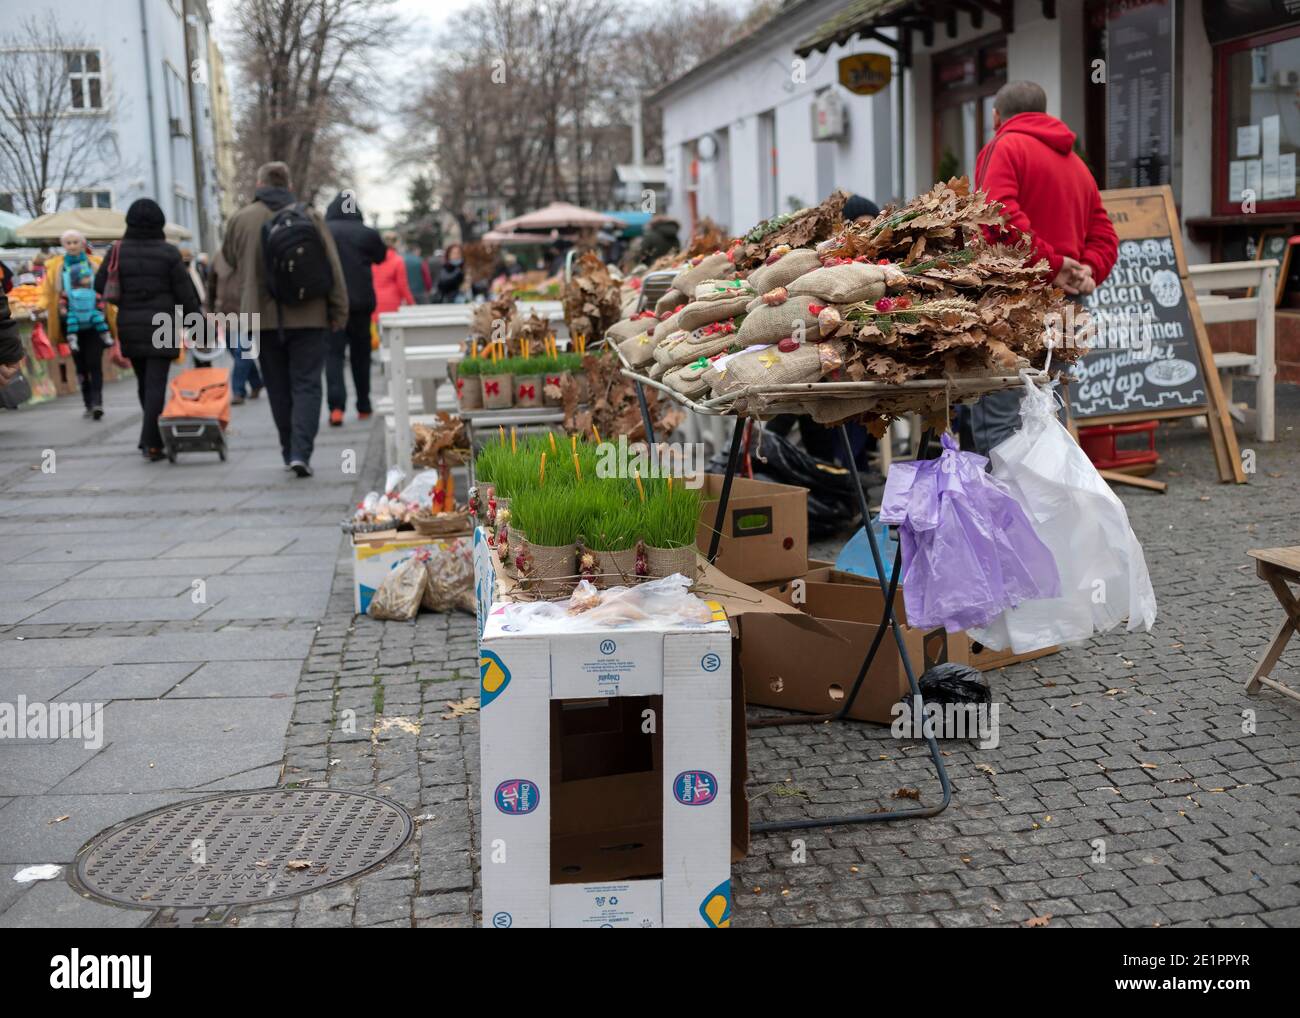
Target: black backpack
{"points": [[293, 256]]}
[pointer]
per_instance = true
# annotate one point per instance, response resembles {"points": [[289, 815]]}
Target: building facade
{"points": [[146, 67]]}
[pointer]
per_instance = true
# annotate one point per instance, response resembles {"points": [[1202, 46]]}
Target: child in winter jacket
{"points": [[84, 311]]}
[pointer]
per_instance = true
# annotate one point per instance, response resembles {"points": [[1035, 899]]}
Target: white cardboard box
{"points": [[521, 673]]}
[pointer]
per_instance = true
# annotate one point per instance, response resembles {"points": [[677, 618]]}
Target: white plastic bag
{"points": [[662, 602], [1104, 577]]}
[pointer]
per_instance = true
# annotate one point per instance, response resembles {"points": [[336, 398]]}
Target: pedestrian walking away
{"points": [[289, 275], [418, 277], [1049, 195], [360, 249], [79, 317], [152, 282], [389, 276], [223, 301]]}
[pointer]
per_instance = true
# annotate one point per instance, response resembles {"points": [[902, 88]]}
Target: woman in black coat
{"points": [[154, 283]]}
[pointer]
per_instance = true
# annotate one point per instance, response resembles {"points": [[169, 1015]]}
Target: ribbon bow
{"points": [[491, 388], [527, 391]]}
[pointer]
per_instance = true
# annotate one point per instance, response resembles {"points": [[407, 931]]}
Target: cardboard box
{"points": [[764, 532], [612, 765], [801, 670], [376, 554], [986, 659]]}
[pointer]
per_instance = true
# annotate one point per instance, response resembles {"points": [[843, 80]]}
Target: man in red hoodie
{"points": [[1048, 194]]}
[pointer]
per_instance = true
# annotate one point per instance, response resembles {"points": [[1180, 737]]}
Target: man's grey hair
{"points": [[273, 175], [68, 235], [1020, 97]]}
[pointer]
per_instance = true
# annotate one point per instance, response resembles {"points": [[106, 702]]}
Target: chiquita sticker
{"points": [[517, 796], [716, 907], [494, 676], [695, 788]]}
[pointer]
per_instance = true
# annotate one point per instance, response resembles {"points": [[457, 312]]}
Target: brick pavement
{"points": [[1131, 745]]}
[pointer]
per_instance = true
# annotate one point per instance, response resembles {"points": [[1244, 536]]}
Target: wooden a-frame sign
{"points": [[1147, 224]]}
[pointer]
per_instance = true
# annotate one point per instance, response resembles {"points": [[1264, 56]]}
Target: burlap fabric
{"points": [[769, 323], [785, 270], [628, 328], [715, 300], [670, 300], [668, 326], [842, 284], [663, 353], [639, 349], [714, 266], [700, 343], [688, 379]]}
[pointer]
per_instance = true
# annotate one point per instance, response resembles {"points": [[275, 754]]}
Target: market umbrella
{"points": [[9, 224], [559, 215], [96, 224], [506, 237]]}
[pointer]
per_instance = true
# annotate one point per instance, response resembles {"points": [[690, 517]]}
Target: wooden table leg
{"points": [[1290, 624]]}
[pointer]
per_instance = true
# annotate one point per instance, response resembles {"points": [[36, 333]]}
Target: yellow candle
{"points": [[596, 433], [514, 445], [551, 436], [541, 470], [577, 467], [639, 488]]}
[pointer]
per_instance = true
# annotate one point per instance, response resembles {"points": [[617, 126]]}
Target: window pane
{"points": [[1264, 121], [73, 61], [77, 102], [92, 61], [95, 101]]}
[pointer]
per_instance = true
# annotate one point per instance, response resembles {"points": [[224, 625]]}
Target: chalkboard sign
{"points": [[1150, 355], [1145, 356]]}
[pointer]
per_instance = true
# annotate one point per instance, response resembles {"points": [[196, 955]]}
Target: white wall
{"points": [[733, 95]]}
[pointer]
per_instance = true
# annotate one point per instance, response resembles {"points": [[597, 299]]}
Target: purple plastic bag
{"points": [[969, 551]]}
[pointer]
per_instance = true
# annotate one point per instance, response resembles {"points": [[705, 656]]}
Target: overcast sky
{"points": [[380, 190]]}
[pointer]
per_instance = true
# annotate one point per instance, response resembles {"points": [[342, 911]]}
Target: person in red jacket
{"points": [[392, 290], [1048, 195]]}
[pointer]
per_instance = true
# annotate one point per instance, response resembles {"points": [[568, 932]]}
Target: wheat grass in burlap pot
{"points": [[551, 569], [497, 391], [528, 390], [469, 394], [667, 561], [842, 284], [770, 320], [784, 270]]}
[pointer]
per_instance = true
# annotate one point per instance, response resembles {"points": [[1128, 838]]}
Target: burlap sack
{"points": [[398, 597], [670, 300], [667, 327], [770, 323], [718, 374], [664, 351], [714, 266], [842, 284], [701, 343], [628, 328], [785, 270], [715, 300], [688, 379], [638, 350], [656, 371]]}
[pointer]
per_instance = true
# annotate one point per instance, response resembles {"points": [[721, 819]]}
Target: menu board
{"points": [[1139, 93], [1148, 360], [1145, 354]]}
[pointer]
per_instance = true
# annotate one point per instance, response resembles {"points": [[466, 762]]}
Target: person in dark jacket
{"points": [[418, 277], [659, 238], [11, 347], [154, 285], [360, 247], [451, 275]]}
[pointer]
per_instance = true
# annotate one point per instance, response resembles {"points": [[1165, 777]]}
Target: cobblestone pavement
{"points": [[1130, 744]]}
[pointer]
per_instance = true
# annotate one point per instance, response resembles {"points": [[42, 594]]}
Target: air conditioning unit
{"points": [[1286, 78]]}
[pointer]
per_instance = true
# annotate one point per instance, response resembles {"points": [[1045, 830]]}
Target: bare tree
{"points": [[56, 121], [307, 80]]}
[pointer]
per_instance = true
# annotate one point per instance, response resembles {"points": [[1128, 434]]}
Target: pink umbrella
{"points": [[559, 215]]}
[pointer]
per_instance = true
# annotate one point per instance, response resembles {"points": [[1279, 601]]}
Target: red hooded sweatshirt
{"points": [[1047, 192]]}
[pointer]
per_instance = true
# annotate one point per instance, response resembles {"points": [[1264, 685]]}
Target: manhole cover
{"points": [[240, 848]]}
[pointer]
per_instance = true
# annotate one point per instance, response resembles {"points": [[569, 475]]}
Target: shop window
{"points": [[85, 84], [965, 82], [93, 199], [1257, 129]]}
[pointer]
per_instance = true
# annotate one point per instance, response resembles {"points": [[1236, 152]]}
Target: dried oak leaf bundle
{"points": [[613, 408], [443, 440], [531, 333], [495, 321], [707, 238], [592, 301], [803, 228], [480, 261]]}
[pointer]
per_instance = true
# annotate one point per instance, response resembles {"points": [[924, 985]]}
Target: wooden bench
{"points": [[1279, 568], [1262, 364]]}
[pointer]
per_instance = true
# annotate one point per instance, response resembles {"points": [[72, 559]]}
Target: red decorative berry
{"points": [[902, 303], [884, 304], [816, 309], [883, 261], [788, 345]]}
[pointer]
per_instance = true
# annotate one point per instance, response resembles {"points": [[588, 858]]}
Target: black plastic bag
{"points": [[953, 683]]}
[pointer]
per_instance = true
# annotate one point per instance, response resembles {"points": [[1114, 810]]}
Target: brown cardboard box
{"points": [[797, 669], [765, 530], [986, 660]]}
